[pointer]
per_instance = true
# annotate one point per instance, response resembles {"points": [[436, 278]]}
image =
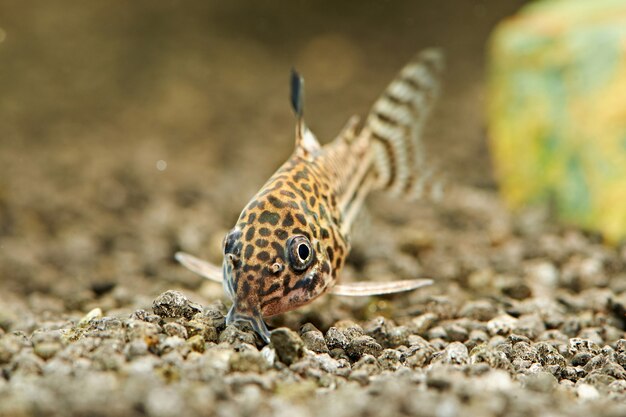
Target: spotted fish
{"points": [[292, 239]]}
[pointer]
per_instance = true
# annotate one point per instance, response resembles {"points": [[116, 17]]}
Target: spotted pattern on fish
{"points": [[291, 240]]}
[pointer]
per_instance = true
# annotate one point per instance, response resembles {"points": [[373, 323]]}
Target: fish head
{"points": [[276, 259]]}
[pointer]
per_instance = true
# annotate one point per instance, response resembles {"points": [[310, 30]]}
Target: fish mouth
{"points": [[251, 316], [255, 320]]}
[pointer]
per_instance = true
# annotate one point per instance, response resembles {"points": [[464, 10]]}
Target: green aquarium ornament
{"points": [[557, 111]]}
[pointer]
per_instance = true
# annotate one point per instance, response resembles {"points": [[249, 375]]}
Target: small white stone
{"points": [[447, 408], [544, 273], [269, 354], [161, 165], [501, 325], [164, 402], [496, 380], [96, 313], [587, 392]]}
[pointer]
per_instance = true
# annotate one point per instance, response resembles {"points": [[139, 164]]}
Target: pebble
{"points": [[196, 343], [514, 287], [288, 345], [363, 345], [143, 315], [94, 314], [493, 356], [174, 304], [205, 328], [135, 349], [233, 335], [338, 353], [481, 310], [147, 332], [540, 382], [47, 350], [25, 362], [175, 329], [314, 341], [501, 325], [578, 345], [437, 332], [529, 325], [419, 354], [336, 339], [587, 392], [364, 368], [350, 329], [581, 358], [164, 402], [171, 343], [248, 360], [10, 345], [476, 338], [390, 360], [269, 354], [524, 351], [421, 324], [548, 355], [455, 332], [454, 354], [544, 273]]}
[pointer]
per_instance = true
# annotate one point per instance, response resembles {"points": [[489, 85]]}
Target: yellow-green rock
{"points": [[557, 110]]}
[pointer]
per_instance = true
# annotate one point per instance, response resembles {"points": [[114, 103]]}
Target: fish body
{"points": [[292, 239]]}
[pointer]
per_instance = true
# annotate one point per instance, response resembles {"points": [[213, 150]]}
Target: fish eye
{"points": [[301, 253]]}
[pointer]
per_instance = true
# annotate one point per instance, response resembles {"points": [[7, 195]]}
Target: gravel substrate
{"points": [[483, 357], [524, 318]]}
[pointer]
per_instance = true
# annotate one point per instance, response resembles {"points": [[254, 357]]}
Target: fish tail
{"points": [[395, 124]]}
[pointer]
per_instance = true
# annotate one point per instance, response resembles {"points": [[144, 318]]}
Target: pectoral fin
{"points": [[361, 289], [203, 268]]}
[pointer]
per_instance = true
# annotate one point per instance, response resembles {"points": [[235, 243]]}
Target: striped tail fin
{"points": [[395, 124]]}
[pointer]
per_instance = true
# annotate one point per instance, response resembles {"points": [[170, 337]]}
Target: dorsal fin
{"points": [[306, 142], [297, 93]]}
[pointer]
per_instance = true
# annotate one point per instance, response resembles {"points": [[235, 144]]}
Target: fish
{"points": [[291, 240]]}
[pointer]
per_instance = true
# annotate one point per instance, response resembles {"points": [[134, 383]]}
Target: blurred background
{"points": [[212, 75]]}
